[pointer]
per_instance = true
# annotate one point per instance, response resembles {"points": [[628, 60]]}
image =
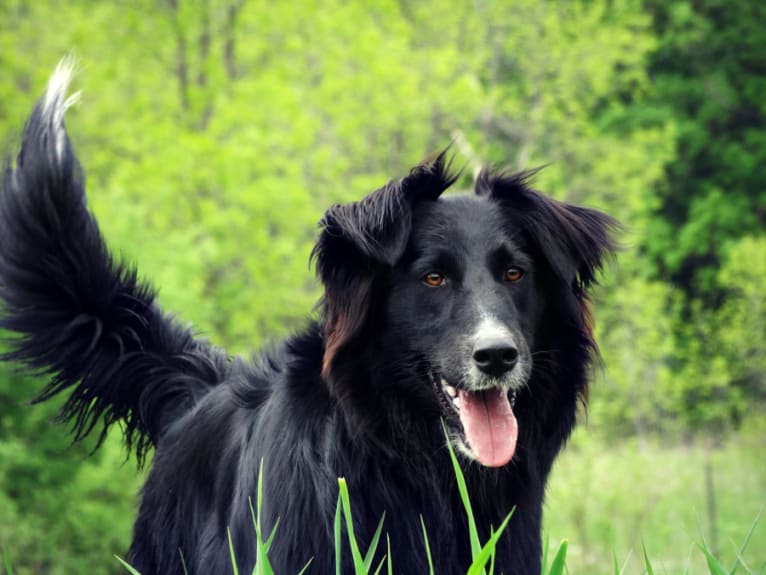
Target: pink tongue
{"points": [[490, 426]]}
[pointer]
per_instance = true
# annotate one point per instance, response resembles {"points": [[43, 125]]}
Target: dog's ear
{"points": [[574, 240], [361, 239]]}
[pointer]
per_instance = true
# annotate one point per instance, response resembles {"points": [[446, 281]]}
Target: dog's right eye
{"points": [[434, 279]]}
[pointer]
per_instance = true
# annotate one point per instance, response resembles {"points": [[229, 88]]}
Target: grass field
{"points": [[607, 499]]}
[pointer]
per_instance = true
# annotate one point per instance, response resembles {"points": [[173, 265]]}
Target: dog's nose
{"points": [[495, 356]]}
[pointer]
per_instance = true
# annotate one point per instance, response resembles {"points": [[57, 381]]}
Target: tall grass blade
{"points": [[338, 541], [306, 566], [617, 569], [690, 558], [374, 544], [428, 547], [259, 492], [388, 555], [647, 563], [473, 534], [713, 565], [741, 563], [124, 564], [260, 551], [7, 562], [268, 542], [492, 555], [738, 561], [359, 567], [481, 558], [231, 552], [546, 545], [559, 560], [380, 565], [262, 564], [183, 561]]}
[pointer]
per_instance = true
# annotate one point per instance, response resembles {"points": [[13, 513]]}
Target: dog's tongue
{"points": [[490, 426]]}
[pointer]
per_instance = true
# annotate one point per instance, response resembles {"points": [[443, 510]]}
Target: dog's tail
{"points": [[78, 316]]}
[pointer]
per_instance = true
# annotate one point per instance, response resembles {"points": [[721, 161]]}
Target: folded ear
{"points": [[361, 239], [574, 240]]}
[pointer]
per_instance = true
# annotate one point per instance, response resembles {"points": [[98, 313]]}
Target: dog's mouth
{"points": [[484, 422]]}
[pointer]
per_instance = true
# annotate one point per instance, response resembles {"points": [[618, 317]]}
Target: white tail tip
{"points": [[56, 103]]}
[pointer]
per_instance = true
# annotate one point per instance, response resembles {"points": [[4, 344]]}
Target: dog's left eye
{"points": [[513, 274], [434, 279]]}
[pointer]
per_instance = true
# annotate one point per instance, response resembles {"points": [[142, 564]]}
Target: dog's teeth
{"points": [[451, 391]]}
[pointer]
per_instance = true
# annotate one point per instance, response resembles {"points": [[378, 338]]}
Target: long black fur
{"points": [[343, 398]]}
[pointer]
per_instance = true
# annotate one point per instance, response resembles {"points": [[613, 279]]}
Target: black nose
{"points": [[495, 356]]}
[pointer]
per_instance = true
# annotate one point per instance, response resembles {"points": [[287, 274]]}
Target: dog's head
{"points": [[459, 294]]}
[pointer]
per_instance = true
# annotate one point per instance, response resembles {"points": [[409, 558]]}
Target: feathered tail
{"points": [[79, 316]]}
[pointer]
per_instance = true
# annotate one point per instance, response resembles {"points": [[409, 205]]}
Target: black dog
{"points": [[471, 310]]}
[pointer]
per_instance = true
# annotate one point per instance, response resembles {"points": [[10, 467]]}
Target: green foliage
{"points": [[52, 495], [741, 320], [709, 79], [639, 389]]}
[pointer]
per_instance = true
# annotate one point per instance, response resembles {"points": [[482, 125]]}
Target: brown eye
{"points": [[434, 279], [513, 274]]}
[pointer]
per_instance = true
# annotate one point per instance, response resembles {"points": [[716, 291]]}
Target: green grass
{"points": [[7, 562], [364, 566], [607, 500], [482, 554], [632, 508]]}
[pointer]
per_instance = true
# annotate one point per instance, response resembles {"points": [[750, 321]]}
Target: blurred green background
{"points": [[214, 134]]}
